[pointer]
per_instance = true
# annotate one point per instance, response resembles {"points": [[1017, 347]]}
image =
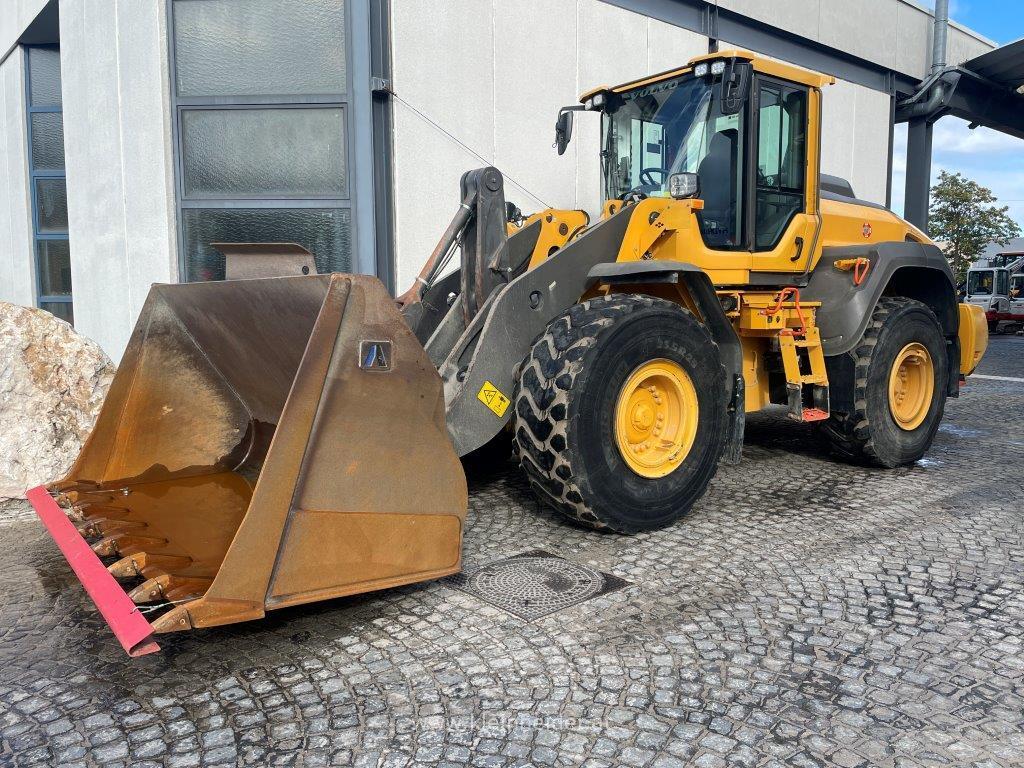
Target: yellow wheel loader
{"points": [[277, 441]]}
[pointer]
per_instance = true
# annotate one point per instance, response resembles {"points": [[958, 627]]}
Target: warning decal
{"points": [[491, 396]]}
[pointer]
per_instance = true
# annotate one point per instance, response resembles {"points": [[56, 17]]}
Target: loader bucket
{"points": [[264, 443]]}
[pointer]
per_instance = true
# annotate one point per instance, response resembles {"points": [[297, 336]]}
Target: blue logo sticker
{"points": [[375, 356]]}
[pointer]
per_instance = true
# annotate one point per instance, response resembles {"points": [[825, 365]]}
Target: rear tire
{"points": [[569, 396], [873, 431]]}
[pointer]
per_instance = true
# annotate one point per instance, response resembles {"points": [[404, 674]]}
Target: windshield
{"points": [[980, 282], [672, 127]]}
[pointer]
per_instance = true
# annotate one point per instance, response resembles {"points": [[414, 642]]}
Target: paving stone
{"points": [[805, 613]]}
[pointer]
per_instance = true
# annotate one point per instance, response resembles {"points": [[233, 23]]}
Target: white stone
{"points": [[52, 384]]}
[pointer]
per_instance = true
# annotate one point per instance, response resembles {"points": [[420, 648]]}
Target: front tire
{"points": [[901, 373], [621, 413]]}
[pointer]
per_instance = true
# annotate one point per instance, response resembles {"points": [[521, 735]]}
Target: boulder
{"points": [[52, 383]]}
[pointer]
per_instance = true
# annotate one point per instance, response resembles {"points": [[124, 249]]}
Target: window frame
{"points": [[35, 175], [344, 101], [760, 80], [1002, 283]]}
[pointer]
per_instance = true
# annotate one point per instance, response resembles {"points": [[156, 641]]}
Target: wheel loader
{"points": [[271, 442]]}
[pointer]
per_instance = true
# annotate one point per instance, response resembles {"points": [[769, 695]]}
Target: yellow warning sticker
{"points": [[491, 396]]}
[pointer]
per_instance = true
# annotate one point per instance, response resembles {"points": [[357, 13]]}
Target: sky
{"points": [[990, 158]]}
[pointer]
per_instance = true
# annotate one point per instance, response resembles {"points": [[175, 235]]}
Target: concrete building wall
{"points": [[17, 262], [894, 33], [476, 86], [15, 16], [855, 138], [117, 136]]}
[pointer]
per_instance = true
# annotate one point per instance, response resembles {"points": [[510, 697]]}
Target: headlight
{"points": [[684, 185], [717, 67], [700, 70]]}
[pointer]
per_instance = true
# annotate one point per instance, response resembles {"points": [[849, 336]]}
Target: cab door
{"points": [[1001, 295], [1017, 297], [782, 216]]}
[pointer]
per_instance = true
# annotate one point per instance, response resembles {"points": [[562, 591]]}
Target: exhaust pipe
{"points": [[939, 35]]}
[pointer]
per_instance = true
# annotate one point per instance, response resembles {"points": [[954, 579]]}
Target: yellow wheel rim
{"points": [[656, 418], [911, 386]]}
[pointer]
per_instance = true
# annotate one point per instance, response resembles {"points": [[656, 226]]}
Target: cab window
{"points": [[676, 126], [979, 283], [781, 160], [1002, 283]]}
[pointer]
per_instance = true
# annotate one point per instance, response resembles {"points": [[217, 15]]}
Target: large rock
{"points": [[52, 383]]}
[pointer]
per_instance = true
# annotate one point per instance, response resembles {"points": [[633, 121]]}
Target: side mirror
{"points": [[735, 86], [563, 130]]}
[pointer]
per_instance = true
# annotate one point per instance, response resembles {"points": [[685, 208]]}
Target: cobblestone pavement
{"points": [[806, 613]]}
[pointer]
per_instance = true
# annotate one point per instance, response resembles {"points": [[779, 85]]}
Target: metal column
{"points": [[919, 171]]}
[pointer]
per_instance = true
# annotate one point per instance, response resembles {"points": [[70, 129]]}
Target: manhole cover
{"points": [[535, 584]]}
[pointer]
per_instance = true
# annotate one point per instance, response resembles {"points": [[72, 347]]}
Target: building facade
{"points": [[136, 133]]}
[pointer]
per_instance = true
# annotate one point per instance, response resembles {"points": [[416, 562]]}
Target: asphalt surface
{"points": [[806, 613]]}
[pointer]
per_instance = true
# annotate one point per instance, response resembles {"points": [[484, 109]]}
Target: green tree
{"points": [[963, 214]]}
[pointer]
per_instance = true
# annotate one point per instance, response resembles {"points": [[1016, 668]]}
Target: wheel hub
{"points": [[656, 418], [911, 386]]}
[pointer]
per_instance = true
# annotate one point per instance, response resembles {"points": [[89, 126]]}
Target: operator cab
{"points": [[717, 129], [989, 288]]}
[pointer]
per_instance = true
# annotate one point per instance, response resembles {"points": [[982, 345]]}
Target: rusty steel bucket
{"points": [[264, 443]]}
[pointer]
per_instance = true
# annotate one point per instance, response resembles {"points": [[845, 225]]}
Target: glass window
{"points": [[1003, 282], [671, 127], [52, 205], [980, 282], [1017, 287], [781, 160], [326, 233], [49, 188], [260, 99], [44, 66], [264, 152], [253, 47], [62, 309], [47, 141], [54, 259]]}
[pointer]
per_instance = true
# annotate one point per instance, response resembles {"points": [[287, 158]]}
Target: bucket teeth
{"points": [[177, 619], [105, 527], [88, 510], [75, 514], [168, 587], [146, 564], [83, 497], [124, 543]]}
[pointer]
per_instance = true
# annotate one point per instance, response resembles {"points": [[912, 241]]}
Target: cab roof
{"points": [[768, 66]]}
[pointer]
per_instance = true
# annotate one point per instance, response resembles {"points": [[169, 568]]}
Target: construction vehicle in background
{"points": [[998, 288], [278, 441]]}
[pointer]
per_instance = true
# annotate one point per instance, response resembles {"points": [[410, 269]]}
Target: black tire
{"points": [[565, 401], [870, 433]]}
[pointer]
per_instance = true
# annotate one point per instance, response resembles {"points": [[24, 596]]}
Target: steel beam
{"points": [[919, 171]]}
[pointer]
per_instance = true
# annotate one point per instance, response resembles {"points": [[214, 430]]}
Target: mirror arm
{"points": [[563, 126]]}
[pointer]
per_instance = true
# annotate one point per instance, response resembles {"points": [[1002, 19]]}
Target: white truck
{"points": [[998, 288]]}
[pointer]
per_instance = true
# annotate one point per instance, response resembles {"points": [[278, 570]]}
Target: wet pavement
{"points": [[805, 613]]}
